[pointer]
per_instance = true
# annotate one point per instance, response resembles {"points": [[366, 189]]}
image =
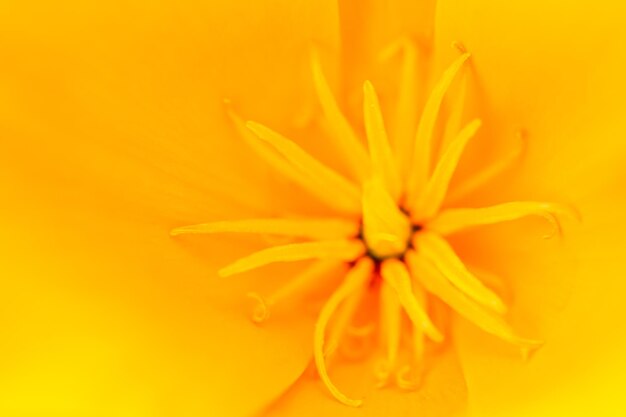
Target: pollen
{"points": [[394, 208]]}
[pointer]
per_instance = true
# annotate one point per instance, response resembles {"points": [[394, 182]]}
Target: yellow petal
{"points": [[113, 132], [292, 292], [112, 318]]}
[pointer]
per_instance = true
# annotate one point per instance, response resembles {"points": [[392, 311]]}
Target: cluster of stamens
{"points": [[389, 234]]}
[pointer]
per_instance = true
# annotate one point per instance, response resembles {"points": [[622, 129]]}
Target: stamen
{"points": [[434, 193], [394, 272], [308, 228], [409, 376], [420, 166], [491, 280], [489, 172], [439, 252], [455, 117], [305, 282], [344, 138], [282, 165], [406, 115], [273, 160], [454, 220], [339, 339], [345, 250], [383, 163], [391, 321], [323, 181], [341, 322], [356, 278], [437, 284], [385, 228]]}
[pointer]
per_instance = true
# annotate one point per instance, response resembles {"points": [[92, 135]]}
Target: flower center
{"points": [[386, 229], [383, 245], [388, 245]]}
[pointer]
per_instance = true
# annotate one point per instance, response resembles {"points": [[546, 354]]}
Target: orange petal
{"points": [[113, 132], [575, 155]]}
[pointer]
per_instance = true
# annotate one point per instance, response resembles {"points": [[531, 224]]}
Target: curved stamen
{"points": [[307, 228], [323, 181], [383, 163], [437, 284], [261, 310], [391, 322], [345, 250], [409, 376], [453, 123], [267, 154], [443, 257], [422, 151], [455, 220], [434, 193], [395, 273], [303, 283], [344, 138], [355, 279]]}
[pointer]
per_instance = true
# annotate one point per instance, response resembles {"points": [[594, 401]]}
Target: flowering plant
{"points": [[445, 177]]}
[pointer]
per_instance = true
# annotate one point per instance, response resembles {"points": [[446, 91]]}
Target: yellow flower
{"points": [[114, 132], [386, 226]]}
